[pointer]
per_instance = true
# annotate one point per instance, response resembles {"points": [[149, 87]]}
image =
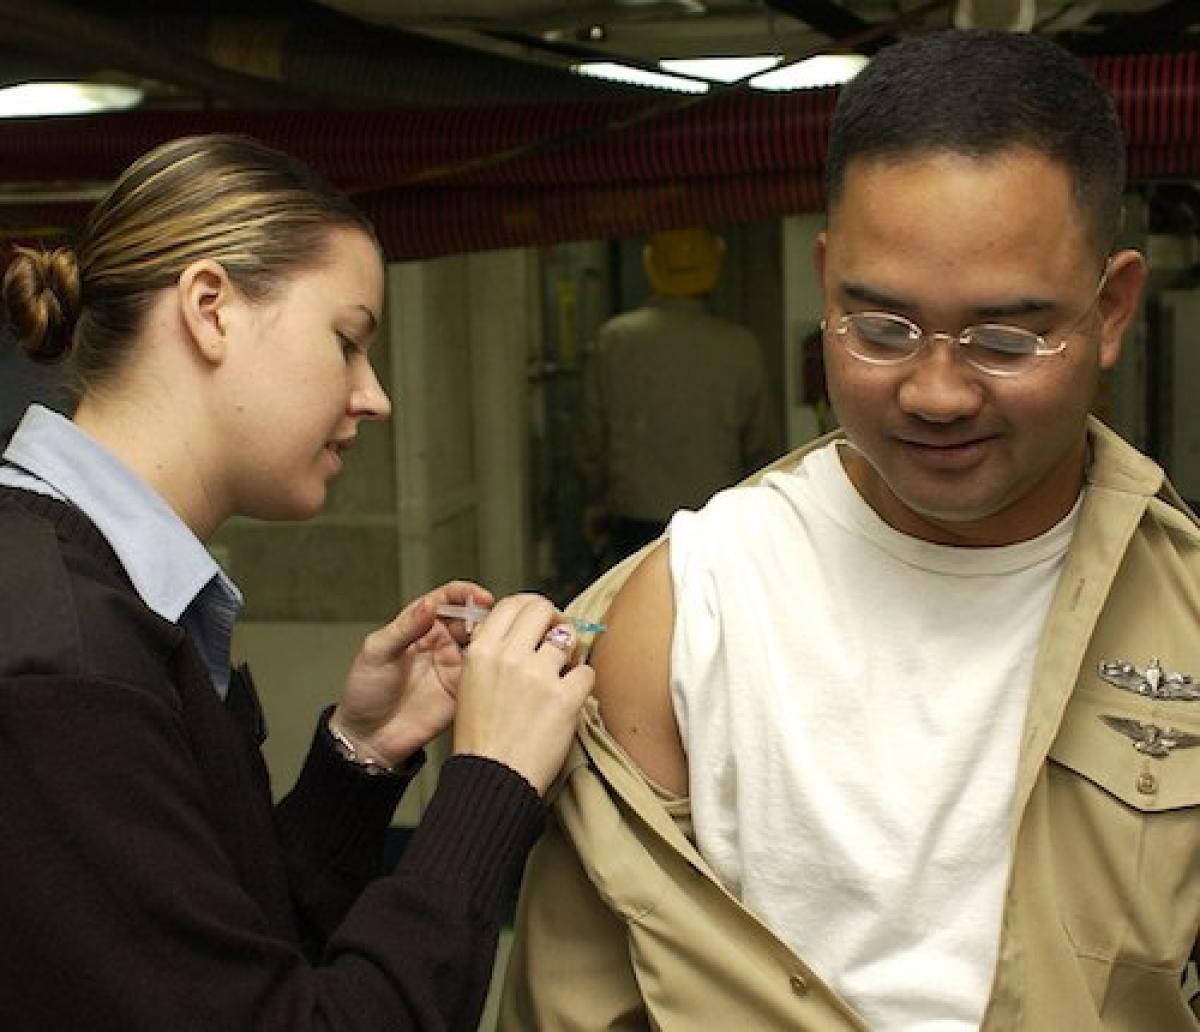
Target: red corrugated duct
{"points": [[532, 146], [444, 181]]}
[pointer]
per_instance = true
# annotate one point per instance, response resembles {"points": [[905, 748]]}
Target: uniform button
{"points": [[1147, 784], [799, 985]]}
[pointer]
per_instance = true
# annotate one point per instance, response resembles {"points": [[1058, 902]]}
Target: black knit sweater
{"points": [[146, 881]]}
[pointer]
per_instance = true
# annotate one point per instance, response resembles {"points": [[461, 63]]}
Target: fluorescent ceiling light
{"points": [[721, 69], [36, 99], [822, 70], [638, 76]]}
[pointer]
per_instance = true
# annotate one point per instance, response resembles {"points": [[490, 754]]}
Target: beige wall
{"points": [[298, 668]]}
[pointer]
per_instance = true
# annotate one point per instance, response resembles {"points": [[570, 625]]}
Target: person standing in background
{"points": [[676, 402]]}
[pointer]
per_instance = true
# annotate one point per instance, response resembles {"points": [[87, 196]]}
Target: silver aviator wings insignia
{"points": [[1150, 738]]}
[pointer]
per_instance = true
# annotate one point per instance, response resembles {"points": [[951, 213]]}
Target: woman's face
{"points": [[304, 382]]}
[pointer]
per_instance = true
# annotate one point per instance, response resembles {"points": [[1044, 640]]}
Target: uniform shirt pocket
{"points": [[1124, 777]]}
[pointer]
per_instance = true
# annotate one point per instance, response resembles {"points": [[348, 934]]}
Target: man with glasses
{"points": [[905, 734]]}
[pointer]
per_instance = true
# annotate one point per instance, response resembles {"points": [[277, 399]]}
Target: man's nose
{"points": [[941, 386]]}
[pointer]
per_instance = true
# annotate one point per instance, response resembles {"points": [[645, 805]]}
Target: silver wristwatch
{"points": [[348, 752]]}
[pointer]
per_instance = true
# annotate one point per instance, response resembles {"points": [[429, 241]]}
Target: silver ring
{"points": [[561, 636]]}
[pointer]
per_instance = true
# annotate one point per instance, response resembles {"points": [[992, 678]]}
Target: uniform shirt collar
{"points": [[169, 567]]}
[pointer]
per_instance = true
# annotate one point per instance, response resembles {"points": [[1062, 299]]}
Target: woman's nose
{"points": [[368, 399]]}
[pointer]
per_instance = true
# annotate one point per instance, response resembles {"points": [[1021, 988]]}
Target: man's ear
{"points": [[1119, 299], [206, 296], [819, 246]]}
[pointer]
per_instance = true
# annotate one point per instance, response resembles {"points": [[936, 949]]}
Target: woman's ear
{"points": [[1119, 299], [206, 298]]}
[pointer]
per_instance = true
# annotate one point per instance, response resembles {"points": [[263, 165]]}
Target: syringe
{"points": [[473, 613]]}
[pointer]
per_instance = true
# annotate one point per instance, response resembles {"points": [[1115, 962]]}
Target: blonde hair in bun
{"points": [[41, 294], [258, 212]]}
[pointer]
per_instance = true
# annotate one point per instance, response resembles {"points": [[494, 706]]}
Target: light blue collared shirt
{"points": [[169, 567]]}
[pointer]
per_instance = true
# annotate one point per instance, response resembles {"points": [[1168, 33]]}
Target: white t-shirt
{"points": [[851, 701]]}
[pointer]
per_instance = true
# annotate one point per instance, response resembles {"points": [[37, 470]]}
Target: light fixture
{"points": [[822, 70], [615, 72], [38, 99], [721, 69], [686, 6], [1005, 15]]}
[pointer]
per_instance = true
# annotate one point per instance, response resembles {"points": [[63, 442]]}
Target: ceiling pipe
{"points": [[49, 27], [364, 65], [1157, 98], [308, 57], [381, 149], [1159, 28], [428, 179], [831, 19]]}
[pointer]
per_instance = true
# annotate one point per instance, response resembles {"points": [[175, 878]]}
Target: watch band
{"points": [[348, 751]]}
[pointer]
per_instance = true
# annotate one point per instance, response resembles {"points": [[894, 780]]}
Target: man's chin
{"points": [[944, 517]]}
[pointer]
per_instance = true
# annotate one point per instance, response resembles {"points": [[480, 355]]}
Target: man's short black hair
{"points": [[979, 92]]}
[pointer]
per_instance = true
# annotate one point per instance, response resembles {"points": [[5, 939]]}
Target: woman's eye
{"points": [[347, 344]]}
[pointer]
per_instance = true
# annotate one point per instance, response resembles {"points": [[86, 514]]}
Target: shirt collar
{"points": [[164, 560]]}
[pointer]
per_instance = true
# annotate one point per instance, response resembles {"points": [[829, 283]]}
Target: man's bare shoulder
{"points": [[632, 660]]}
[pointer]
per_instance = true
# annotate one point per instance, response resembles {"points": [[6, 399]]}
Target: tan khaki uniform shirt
{"points": [[622, 925], [675, 409]]}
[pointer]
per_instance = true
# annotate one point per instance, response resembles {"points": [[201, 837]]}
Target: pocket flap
{"points": [[1146, 753]]}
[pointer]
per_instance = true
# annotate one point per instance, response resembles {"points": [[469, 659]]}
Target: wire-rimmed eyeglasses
{"points": [[884, 338]]}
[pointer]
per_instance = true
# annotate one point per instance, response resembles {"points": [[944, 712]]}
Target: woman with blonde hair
{"points": [[218, 313]]}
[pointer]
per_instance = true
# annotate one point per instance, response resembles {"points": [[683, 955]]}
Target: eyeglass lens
{"points": [[882, 338]]}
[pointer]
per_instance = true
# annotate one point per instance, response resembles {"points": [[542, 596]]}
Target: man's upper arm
{"points": [[632, 660]]}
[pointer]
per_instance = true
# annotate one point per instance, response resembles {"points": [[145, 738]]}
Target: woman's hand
{"points": [[402, 688], [521, 693]]}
